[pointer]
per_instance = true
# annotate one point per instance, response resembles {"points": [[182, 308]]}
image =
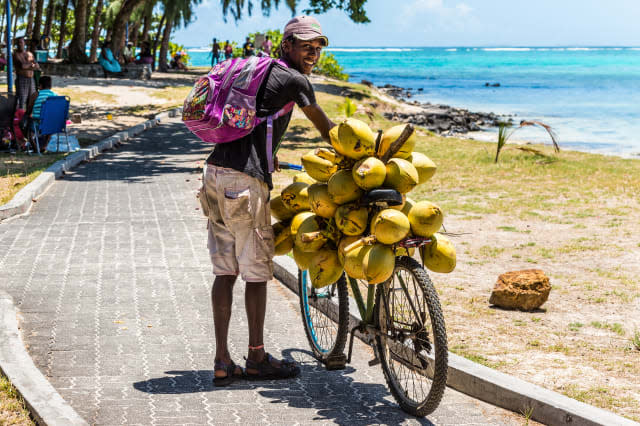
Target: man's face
{"points": [[303, 55], [20, 44]]}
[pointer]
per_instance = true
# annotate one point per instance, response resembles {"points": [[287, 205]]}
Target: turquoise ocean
{"points": [[589, 95]]}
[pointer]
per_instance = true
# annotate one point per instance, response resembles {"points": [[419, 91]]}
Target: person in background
{"points": [[215, 52], [34, 107], [127, 53], [267, 45], [235, 193], [176, 62], [3, 59], [145, 56], [107, 60], [248, 49], [228, 50], [25, 64]]}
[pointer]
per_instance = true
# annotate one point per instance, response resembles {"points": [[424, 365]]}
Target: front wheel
{"points": [[412, 345], [325, 315]]}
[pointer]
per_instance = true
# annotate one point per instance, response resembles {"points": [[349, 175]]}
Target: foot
{"points": [[270, 368], [224, 373]]}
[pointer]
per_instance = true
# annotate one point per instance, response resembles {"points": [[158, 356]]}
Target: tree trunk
{"points": [[147, 25], [120, 24], [15, 19], [163, 66], [87, 19], [133, 33], [95, 37], [63, 23], [37, 22], [51, 11], [77, 54], [157, 39], [32, 9], [2, 32]]}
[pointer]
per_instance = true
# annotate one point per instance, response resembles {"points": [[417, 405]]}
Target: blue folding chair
{"points": [[53, 120]]}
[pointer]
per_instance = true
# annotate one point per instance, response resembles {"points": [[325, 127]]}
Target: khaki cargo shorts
{"points": [[240, 233]]}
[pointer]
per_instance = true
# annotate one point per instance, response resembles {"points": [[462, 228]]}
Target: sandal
{"points": [[230, 369], [266, 370]]}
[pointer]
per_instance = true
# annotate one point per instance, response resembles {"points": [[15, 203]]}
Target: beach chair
{"points": [[53, 120], [8, 104]]}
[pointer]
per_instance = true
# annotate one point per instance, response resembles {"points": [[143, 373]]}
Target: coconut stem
{"points": [[359, 243], [397, 144]]}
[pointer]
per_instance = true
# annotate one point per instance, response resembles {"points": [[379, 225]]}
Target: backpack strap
{"points": [[285, 110]]}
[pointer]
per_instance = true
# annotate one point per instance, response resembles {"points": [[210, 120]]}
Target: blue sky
{"points": [[446, 23]]}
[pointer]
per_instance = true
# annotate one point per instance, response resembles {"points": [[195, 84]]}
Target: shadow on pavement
{"points": [[335, 396]]}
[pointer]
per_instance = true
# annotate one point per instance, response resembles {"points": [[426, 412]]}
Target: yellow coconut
{"points": [[378, 263], [297, 221], [424, 166], [406, 206], [353, 259], [440, 255], [335, 140], [401, 175], [296, 197], [317, 167], [303, 259], [391, 135], [425, 218], [281, 232], [279, 210], [344, 242], [324, 268], [303, 177], [351, 219], [342, 188], [320, 201], [390, 226], [284, 247], [369, 173], [308, 238], [356, 140]]}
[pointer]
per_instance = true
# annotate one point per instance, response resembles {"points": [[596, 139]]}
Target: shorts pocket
{"points": [[237, 205], [263, 243], [204, 202]]}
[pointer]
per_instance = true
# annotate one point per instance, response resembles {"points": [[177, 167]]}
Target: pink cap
{"points": [[305, 28]]}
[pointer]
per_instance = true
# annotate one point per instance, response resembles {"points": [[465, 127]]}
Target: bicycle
{"points": [[411, 348]]}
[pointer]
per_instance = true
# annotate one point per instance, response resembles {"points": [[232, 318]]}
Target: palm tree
{"points": [[178, 13], [95, 36], [63, 27], [77, 53]]}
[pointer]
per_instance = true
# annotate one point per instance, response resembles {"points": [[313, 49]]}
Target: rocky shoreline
{"points": [[444, 120]]}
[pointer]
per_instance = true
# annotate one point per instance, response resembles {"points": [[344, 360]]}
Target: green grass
{"points": [[12, 407], [575, 326], [635, 340]]}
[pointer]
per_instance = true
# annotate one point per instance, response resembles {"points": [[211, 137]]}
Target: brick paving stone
{"points": [[111, 274]]}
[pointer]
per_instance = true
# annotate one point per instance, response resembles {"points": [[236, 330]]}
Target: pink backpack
{"points": [[221, 107]]}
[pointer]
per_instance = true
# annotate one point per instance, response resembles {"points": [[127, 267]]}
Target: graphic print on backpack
{"points": [[221, 107]]}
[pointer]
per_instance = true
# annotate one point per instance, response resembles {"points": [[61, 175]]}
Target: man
{"points": [[34, 107], [127, 53], [215, 52], [24, 63], [247, 48], [228, 50], [236, 195], [267, 45]]}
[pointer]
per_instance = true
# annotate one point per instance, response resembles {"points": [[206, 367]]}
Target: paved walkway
{"points": [[111, 275]]}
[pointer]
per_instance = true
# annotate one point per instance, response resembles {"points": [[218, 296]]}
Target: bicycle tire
{"points": [[322, 346], [430, 354]]}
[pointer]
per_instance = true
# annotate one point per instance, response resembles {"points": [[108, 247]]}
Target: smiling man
{"points": [[236, 187]]}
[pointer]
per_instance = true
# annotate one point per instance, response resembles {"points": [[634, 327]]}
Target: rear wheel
{"points": [[325, 315], [412, 345]]}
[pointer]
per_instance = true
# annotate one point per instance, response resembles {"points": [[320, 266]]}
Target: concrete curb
{"points": [[43, 401], [486, 384], [23, 200]]}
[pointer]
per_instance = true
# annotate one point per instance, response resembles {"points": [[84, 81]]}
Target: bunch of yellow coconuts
{"points": [[321, 217]]}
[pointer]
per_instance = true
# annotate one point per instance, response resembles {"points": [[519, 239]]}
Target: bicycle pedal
{"points": [[336, 362], [374, 361]]}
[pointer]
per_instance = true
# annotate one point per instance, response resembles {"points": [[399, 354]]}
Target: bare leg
{"points": [[221, 300], [255, 302]]}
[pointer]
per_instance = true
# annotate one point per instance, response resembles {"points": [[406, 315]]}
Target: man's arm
{"points": [[319, 119]]}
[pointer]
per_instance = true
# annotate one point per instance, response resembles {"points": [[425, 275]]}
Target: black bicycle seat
{"points": [[389, 196]]}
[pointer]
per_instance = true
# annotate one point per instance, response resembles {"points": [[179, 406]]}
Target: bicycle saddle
{"points": [[389, 196]]}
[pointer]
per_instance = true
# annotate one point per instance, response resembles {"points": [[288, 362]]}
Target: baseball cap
{"points": [[305, 28]]}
